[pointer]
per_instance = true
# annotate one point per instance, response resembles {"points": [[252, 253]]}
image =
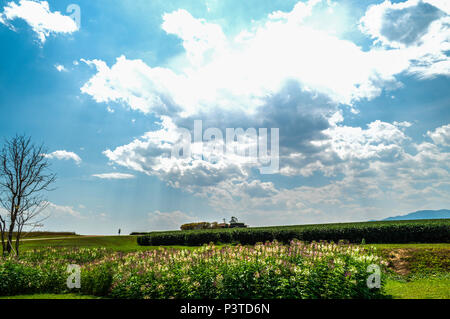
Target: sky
{"points": [[358, 90]]}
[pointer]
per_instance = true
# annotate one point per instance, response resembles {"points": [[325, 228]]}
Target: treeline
{"points": [[201, 225], [419, 231]]}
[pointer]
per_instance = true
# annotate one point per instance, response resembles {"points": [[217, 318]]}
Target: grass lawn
{"points": [[129, 243], [424, 288], [117, 243], [45, 234], [51, 296], [402, 246]]}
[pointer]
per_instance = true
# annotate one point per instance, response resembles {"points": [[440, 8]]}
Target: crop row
{"points": [[425, 231]]}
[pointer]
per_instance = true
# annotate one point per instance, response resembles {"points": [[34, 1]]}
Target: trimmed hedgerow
{"points": [[426, 231]]}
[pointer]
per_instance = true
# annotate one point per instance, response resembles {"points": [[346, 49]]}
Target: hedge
{"points": [[420, 231]]}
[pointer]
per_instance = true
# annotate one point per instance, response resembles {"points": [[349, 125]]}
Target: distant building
{"points": [[234, 223]]}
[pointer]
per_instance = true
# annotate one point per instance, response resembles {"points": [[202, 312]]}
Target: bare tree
{"points": [[24, 176], [3, 229]]}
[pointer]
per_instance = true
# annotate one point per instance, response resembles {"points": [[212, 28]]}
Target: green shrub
{"points": [[44, 271], [97, 279], [264, 271], [270, 270]]}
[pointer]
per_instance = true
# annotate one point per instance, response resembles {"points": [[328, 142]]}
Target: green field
{"points": [[116, 243], [51, 296], [424, 288], [381, 232], [44, 234], [129, 243]]}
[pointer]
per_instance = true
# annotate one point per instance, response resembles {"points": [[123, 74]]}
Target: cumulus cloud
{"points": [[133, 83], [152, 154], [201, 39], [252, 66], [343, 148], [441, 135], [263, 60], [399, 24], [380, 139], [114, 176], [64, 155], [418, 30], [54, 210], [39, 17], [283, 72], [414, 181]]}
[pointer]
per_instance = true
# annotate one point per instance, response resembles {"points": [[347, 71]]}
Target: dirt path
{"points": [[398, 259]]}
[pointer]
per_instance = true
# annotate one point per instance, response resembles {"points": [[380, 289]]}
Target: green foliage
{"points": [[427, 262], [420, 288], [42, 270], [50, 296], [269, 271], [201, 225], [272, 270], [97, 279], [428, 231]]}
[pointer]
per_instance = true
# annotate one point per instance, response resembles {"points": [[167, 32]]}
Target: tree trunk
{"points": [[17, 245], [3, 243], [9, 246]]}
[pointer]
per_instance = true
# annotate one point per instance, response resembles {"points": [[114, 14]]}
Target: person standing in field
{"points": [[119, 231]]}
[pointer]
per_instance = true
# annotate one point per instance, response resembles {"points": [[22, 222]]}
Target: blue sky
{"points": [[358, 90]]}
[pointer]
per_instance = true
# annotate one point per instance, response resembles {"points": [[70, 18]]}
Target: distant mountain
{"points": [[423, 214]]}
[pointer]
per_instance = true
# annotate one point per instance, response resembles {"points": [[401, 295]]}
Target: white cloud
{"points": [[54, 210], [283, 72], [258, 62], [200, 38], [368, 190], [38, 15], [152, 154], [60, 68], [64, 155], [441, 5], [441, 135], [114, 176], [404, 124], [378, 140], [252, 66], [169, 220], [131, 82], [418, 30], [399, 24]]}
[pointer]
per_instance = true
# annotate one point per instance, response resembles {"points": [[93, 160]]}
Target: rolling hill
{"points": [[423, 214]]}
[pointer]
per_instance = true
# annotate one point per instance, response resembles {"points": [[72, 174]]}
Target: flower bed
{"points": [[271, 270]]}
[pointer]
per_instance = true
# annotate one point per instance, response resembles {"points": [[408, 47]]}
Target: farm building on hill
{"points": [[234, 223]]}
